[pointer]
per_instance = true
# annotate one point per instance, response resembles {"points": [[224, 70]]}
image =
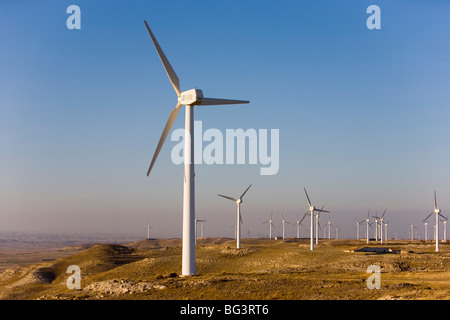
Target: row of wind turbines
{"points": [[194, 98]]}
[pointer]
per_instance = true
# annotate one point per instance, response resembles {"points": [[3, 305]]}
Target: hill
{"points": [[262, 269]]}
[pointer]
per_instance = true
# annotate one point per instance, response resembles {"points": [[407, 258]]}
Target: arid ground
{"points": [[262, 269]]}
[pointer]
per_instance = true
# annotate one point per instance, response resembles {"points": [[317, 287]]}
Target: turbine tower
{"points": [[196, 224], [318, 224], [385, 230], [298, 227], [445, 230], [311, 211], [425, 223], [437, 212], [239, 218], [283, 222], [412, 232], [148, 231], [189, 98], [329, 228]]}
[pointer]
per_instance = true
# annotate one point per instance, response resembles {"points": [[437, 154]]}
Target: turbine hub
{"points": [[191, 97], [437, 210], [312, 208], [238, 201]]}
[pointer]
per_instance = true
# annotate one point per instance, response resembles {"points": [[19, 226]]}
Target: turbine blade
{"points": [[383, 213], [169, 123], [226, 197], [428, 217], [307, 198], [215, 102], [435, 203], [245, 192], [306, 213], [443, 216], [169, 70]]}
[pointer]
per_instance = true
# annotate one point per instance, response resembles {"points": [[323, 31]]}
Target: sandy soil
{"points": [[262, 269]]}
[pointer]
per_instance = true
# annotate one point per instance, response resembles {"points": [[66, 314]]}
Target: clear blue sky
{"points": [[363, 114]]}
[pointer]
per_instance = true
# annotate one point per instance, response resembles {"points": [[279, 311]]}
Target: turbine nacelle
{"points": [[238, 201], [191, 97], [437, 210]]}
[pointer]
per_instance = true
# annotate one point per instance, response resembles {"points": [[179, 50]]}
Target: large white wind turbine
{"points": [[239, 217], [311, 211], [437, 212], [270, 225], [189, 98]]}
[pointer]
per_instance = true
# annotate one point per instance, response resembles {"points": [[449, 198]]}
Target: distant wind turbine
{"points": [[298, 227], [367, 226], [270, 225], [437, 212], [318, 224], [329, 227], [283, 222], [189, 98], [412, 232], [239, 217], [311, 211], [385, 230], [381, 225], [197, 221], [148, 231]]}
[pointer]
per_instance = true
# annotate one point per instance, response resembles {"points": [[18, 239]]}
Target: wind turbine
{"points": [[329, 227], [189, 98], [239, 218], [298, 227], [283, 222], [196, 223], [270, 225], [445, 229], [318, 224], [385, 230], [367, 226], [437, 212], [357, 227], [311, 211], [381, 225]]}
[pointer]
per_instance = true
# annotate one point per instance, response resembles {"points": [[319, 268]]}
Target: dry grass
{"points": [[263, 269]]}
